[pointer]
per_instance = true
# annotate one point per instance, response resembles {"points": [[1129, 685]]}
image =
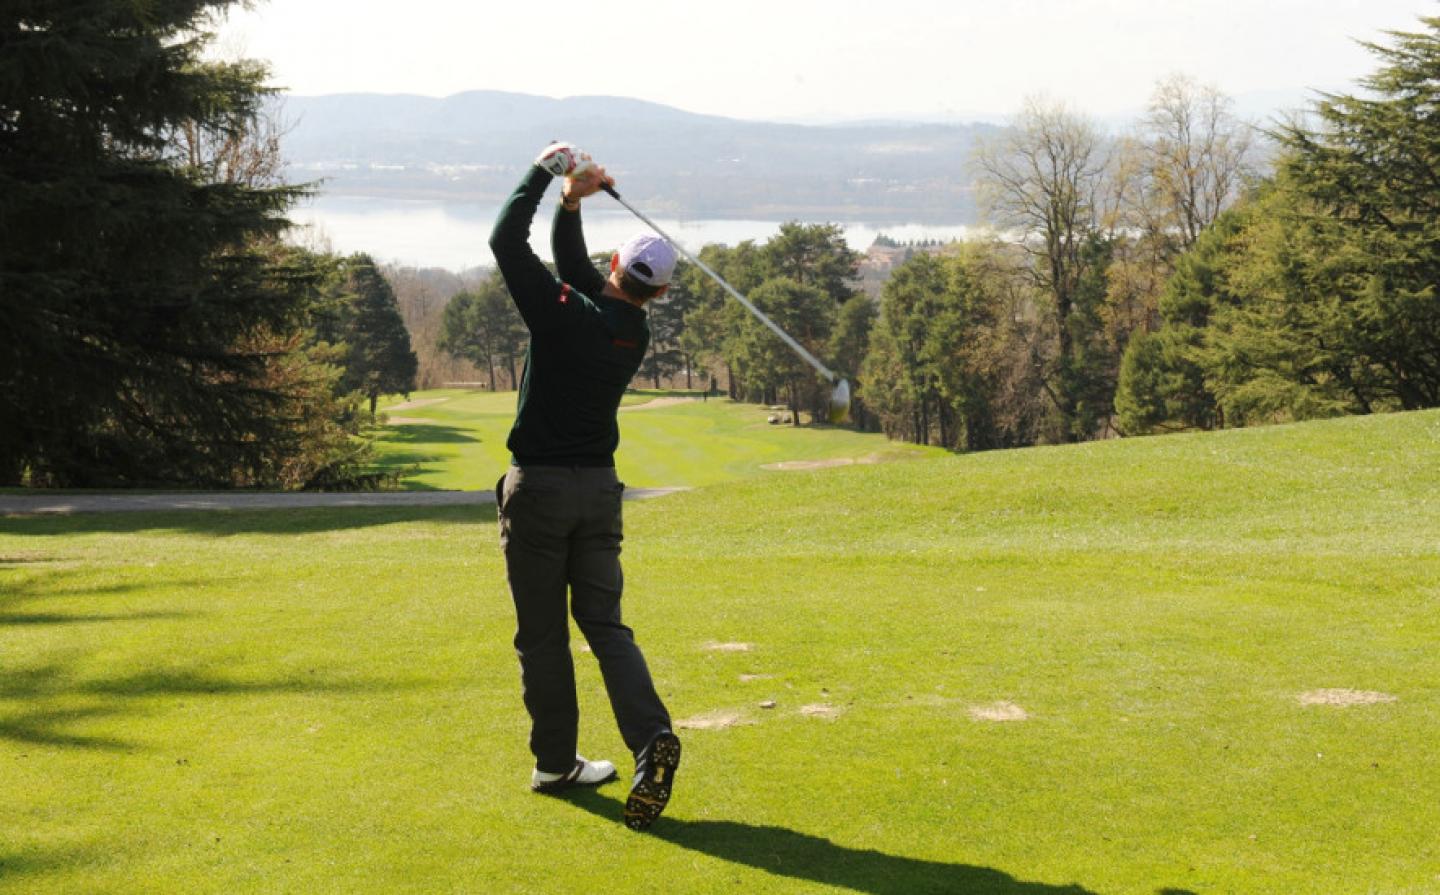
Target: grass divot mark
{"points": [[716, 720], [1344, 697], [820, 710], [998, 711], [714, 647], [747, 678]]}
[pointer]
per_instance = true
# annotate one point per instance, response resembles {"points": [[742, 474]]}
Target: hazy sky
{"points": [[804, 60]]}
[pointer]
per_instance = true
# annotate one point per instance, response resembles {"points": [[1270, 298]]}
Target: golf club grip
{"points": [[734, 293]]}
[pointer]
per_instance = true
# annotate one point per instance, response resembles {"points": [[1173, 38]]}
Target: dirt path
{"points": [[67, 504]]}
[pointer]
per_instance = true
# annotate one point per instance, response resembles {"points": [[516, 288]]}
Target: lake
{"points": [[454, 235]]}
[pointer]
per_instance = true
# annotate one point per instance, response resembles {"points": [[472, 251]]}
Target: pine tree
{"points": [[1372, 170], [147, 312], [483, 327], [378, 359]]}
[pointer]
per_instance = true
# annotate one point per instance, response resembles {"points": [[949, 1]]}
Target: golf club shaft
{"points": [[734, 293]]}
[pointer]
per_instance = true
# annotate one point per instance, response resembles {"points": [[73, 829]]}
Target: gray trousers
{"points": [[560, 529]]}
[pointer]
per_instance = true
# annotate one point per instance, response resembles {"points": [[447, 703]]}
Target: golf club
{"points": [[839, 396]]}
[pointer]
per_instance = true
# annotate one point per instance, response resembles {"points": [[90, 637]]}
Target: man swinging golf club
{"points": [[559, 503]]}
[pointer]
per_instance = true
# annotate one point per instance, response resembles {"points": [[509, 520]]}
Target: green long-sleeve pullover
{"points": [[584, 346]]}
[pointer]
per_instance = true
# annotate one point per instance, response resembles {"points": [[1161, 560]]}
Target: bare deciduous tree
{"points": [[242, 146], [1193, 156], [1045, 179]]}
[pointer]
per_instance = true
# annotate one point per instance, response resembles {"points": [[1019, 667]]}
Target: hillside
{"points": [[472, 146]]}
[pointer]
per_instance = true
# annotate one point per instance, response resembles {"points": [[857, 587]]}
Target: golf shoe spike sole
{"points": [[652, 791]]}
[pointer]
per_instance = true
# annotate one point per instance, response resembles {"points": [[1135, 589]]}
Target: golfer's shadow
{"points": [[789, 853]]}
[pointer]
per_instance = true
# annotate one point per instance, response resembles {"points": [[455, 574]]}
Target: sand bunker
{"points": [[820, 710], [1345, 697], [998, 711], [716, 720], [714, 647]]}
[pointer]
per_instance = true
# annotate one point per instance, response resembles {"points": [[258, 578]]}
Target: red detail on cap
{"points": [[564, 293], [624, 343]]}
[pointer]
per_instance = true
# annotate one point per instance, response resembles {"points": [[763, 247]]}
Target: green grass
{"points": [[327, 701], [458, 442]]}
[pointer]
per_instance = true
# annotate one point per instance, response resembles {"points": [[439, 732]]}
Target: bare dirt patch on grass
{"points": [[716, 720], [407, 421], [821, 710], [714, 647], [868, 459], [792, 465], [747, 678], [998, 711], [1344, 697]]}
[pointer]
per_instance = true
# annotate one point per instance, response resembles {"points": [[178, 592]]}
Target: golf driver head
{"points": [[840, 402]]}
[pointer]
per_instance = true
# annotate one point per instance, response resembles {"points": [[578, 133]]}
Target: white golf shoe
{"points": [[584, 773]]}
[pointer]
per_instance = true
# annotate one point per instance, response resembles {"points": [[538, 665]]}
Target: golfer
{"points": [[559, 503]]}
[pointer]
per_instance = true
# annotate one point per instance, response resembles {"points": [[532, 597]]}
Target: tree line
{"points": [[1319, 293], [1197, 271], [157, 327]]}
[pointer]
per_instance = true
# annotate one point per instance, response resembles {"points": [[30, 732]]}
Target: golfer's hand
{"points": [[563, 160], [584, 183]]}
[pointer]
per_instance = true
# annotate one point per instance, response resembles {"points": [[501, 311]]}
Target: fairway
{"points": [[455, 439], [1186, 664]]}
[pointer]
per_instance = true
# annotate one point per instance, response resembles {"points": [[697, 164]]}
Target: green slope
{"points": [[327, 701], [455, 439]]}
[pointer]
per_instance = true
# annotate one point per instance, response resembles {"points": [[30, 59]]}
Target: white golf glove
{"points": [[564, 160]]}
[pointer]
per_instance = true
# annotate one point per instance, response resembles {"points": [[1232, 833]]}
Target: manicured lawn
{"points": [[455, 439], [1059, 670]]}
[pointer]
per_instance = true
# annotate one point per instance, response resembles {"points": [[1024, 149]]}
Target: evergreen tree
{"points": [[665, 316], [366, 319], [814, 255], [1371, 169], [931, 371], [770, 365], [483, 327], [849, 344], [901, 384], [1162, 383], [147, 313]]}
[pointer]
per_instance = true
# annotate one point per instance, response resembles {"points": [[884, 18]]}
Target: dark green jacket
{"points": [[584, 346]]}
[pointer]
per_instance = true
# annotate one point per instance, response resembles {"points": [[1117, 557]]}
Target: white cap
{"points": [[648, 259]]}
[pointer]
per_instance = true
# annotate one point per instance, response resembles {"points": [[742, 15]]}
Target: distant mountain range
{"points": [[472, 147]]}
